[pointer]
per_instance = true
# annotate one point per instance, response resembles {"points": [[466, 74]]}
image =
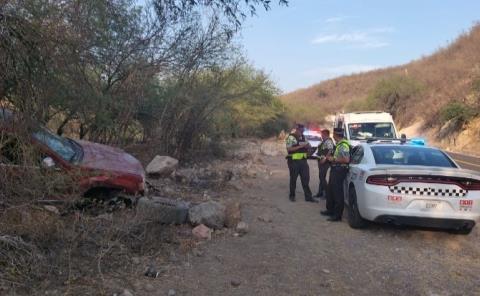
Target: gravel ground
{"points": [[300, 253]]}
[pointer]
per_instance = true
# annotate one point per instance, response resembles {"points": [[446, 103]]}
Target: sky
{"points": [[314, 40]]}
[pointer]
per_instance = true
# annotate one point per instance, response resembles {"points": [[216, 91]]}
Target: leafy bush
{"points": [[392, 94], [476, 85], [456, 111], [357, 105], [274, 126], [257, 112], [314, 113], [322, 93]]}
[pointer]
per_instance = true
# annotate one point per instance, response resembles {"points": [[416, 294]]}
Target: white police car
{"points": [[406, 184]]}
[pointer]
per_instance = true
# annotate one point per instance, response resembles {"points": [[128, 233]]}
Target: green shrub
{"points": [[322, 94], [457, 111], [274, 126], [357, 105], [392, 94], [476, 85]]}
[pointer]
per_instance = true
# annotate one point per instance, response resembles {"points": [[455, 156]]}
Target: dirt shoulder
{"points": [[289, 248], [300, 253]]}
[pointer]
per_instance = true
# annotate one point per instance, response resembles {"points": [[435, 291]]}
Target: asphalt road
{"points": [[466, 161]]}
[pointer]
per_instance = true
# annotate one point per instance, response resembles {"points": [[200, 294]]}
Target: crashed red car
{"points": [[99, 168]]}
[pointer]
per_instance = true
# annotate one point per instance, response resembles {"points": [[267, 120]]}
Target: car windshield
{"points": [[362, 131], [312, 138], [65, 148], [411, 155]]}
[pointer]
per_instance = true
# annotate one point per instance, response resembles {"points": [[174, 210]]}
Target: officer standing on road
{"points": [[297, 148], [325, 149], [338, 172]]}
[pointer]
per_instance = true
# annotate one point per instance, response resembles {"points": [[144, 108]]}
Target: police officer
{"points": [[338, 172], [298, 148], [325, 149]]}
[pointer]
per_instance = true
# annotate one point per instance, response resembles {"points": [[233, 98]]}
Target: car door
{"points": [[14, 178], [354, 172], [26, 171]]}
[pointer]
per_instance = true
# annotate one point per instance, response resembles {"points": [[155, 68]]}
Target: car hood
{"points": [[102, 157]]}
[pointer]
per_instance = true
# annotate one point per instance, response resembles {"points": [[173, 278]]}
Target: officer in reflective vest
{"points": [[297, 148], [338, 172], [326, 148]]}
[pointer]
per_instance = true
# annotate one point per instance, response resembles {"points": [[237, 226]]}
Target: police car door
{"points": [[354, 173]]}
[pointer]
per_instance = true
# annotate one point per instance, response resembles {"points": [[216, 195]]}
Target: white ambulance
{"points": [[367, 125]]}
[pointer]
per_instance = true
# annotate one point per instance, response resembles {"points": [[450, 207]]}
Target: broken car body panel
{"points": [[92, 165]]}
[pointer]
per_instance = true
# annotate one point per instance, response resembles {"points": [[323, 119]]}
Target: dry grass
{"points": [[79, 253], [76, 249], [449, 74]]}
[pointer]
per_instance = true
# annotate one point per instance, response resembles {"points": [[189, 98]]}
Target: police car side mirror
{"points": [[403, 138]]}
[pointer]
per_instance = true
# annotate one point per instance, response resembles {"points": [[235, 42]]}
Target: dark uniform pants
{"points": [[322, 175], [335, 202], [299, 167]]}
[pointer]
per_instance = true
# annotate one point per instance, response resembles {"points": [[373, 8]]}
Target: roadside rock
{"points": [[173, 257], [151, 271], [126, 292], [163, 210], [265, 218], [184, 175], [52, 209], [149, 287], [172, 292], [242, 228], [202, 232], [448, 128], [235, 283], [210, 213], [272, 148], [162, 166], [233, 214]]}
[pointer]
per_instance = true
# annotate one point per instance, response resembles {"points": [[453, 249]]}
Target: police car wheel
{"points": [[355, 220]]}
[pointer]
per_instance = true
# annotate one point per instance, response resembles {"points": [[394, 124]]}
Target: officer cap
{"points": [[300, 126], [339, 131]]}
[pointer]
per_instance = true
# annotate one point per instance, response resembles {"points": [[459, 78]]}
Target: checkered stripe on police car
{"points": [[428, 191]]}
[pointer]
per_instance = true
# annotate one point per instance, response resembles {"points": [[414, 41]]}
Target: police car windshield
{"points": [[411, 155], [312, 138], [365, 130]]}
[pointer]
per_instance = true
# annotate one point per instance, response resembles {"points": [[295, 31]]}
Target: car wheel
{"points": [[463, 231], [100, 193], [355, 220]]}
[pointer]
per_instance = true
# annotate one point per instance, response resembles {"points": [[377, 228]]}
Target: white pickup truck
{"points": [[361, 126]]}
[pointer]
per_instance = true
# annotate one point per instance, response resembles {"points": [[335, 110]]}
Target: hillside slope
{"points": [[447, 75], [452, 74]]}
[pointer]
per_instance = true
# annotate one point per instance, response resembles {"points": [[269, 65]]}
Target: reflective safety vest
{"points": [[343, 143], [301, 153]]}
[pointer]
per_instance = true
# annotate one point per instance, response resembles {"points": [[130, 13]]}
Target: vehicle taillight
{"points": [[382, 180], [470, 185]]}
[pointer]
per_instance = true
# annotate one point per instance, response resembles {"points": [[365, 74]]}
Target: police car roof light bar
{"points": [[402, 141]]}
